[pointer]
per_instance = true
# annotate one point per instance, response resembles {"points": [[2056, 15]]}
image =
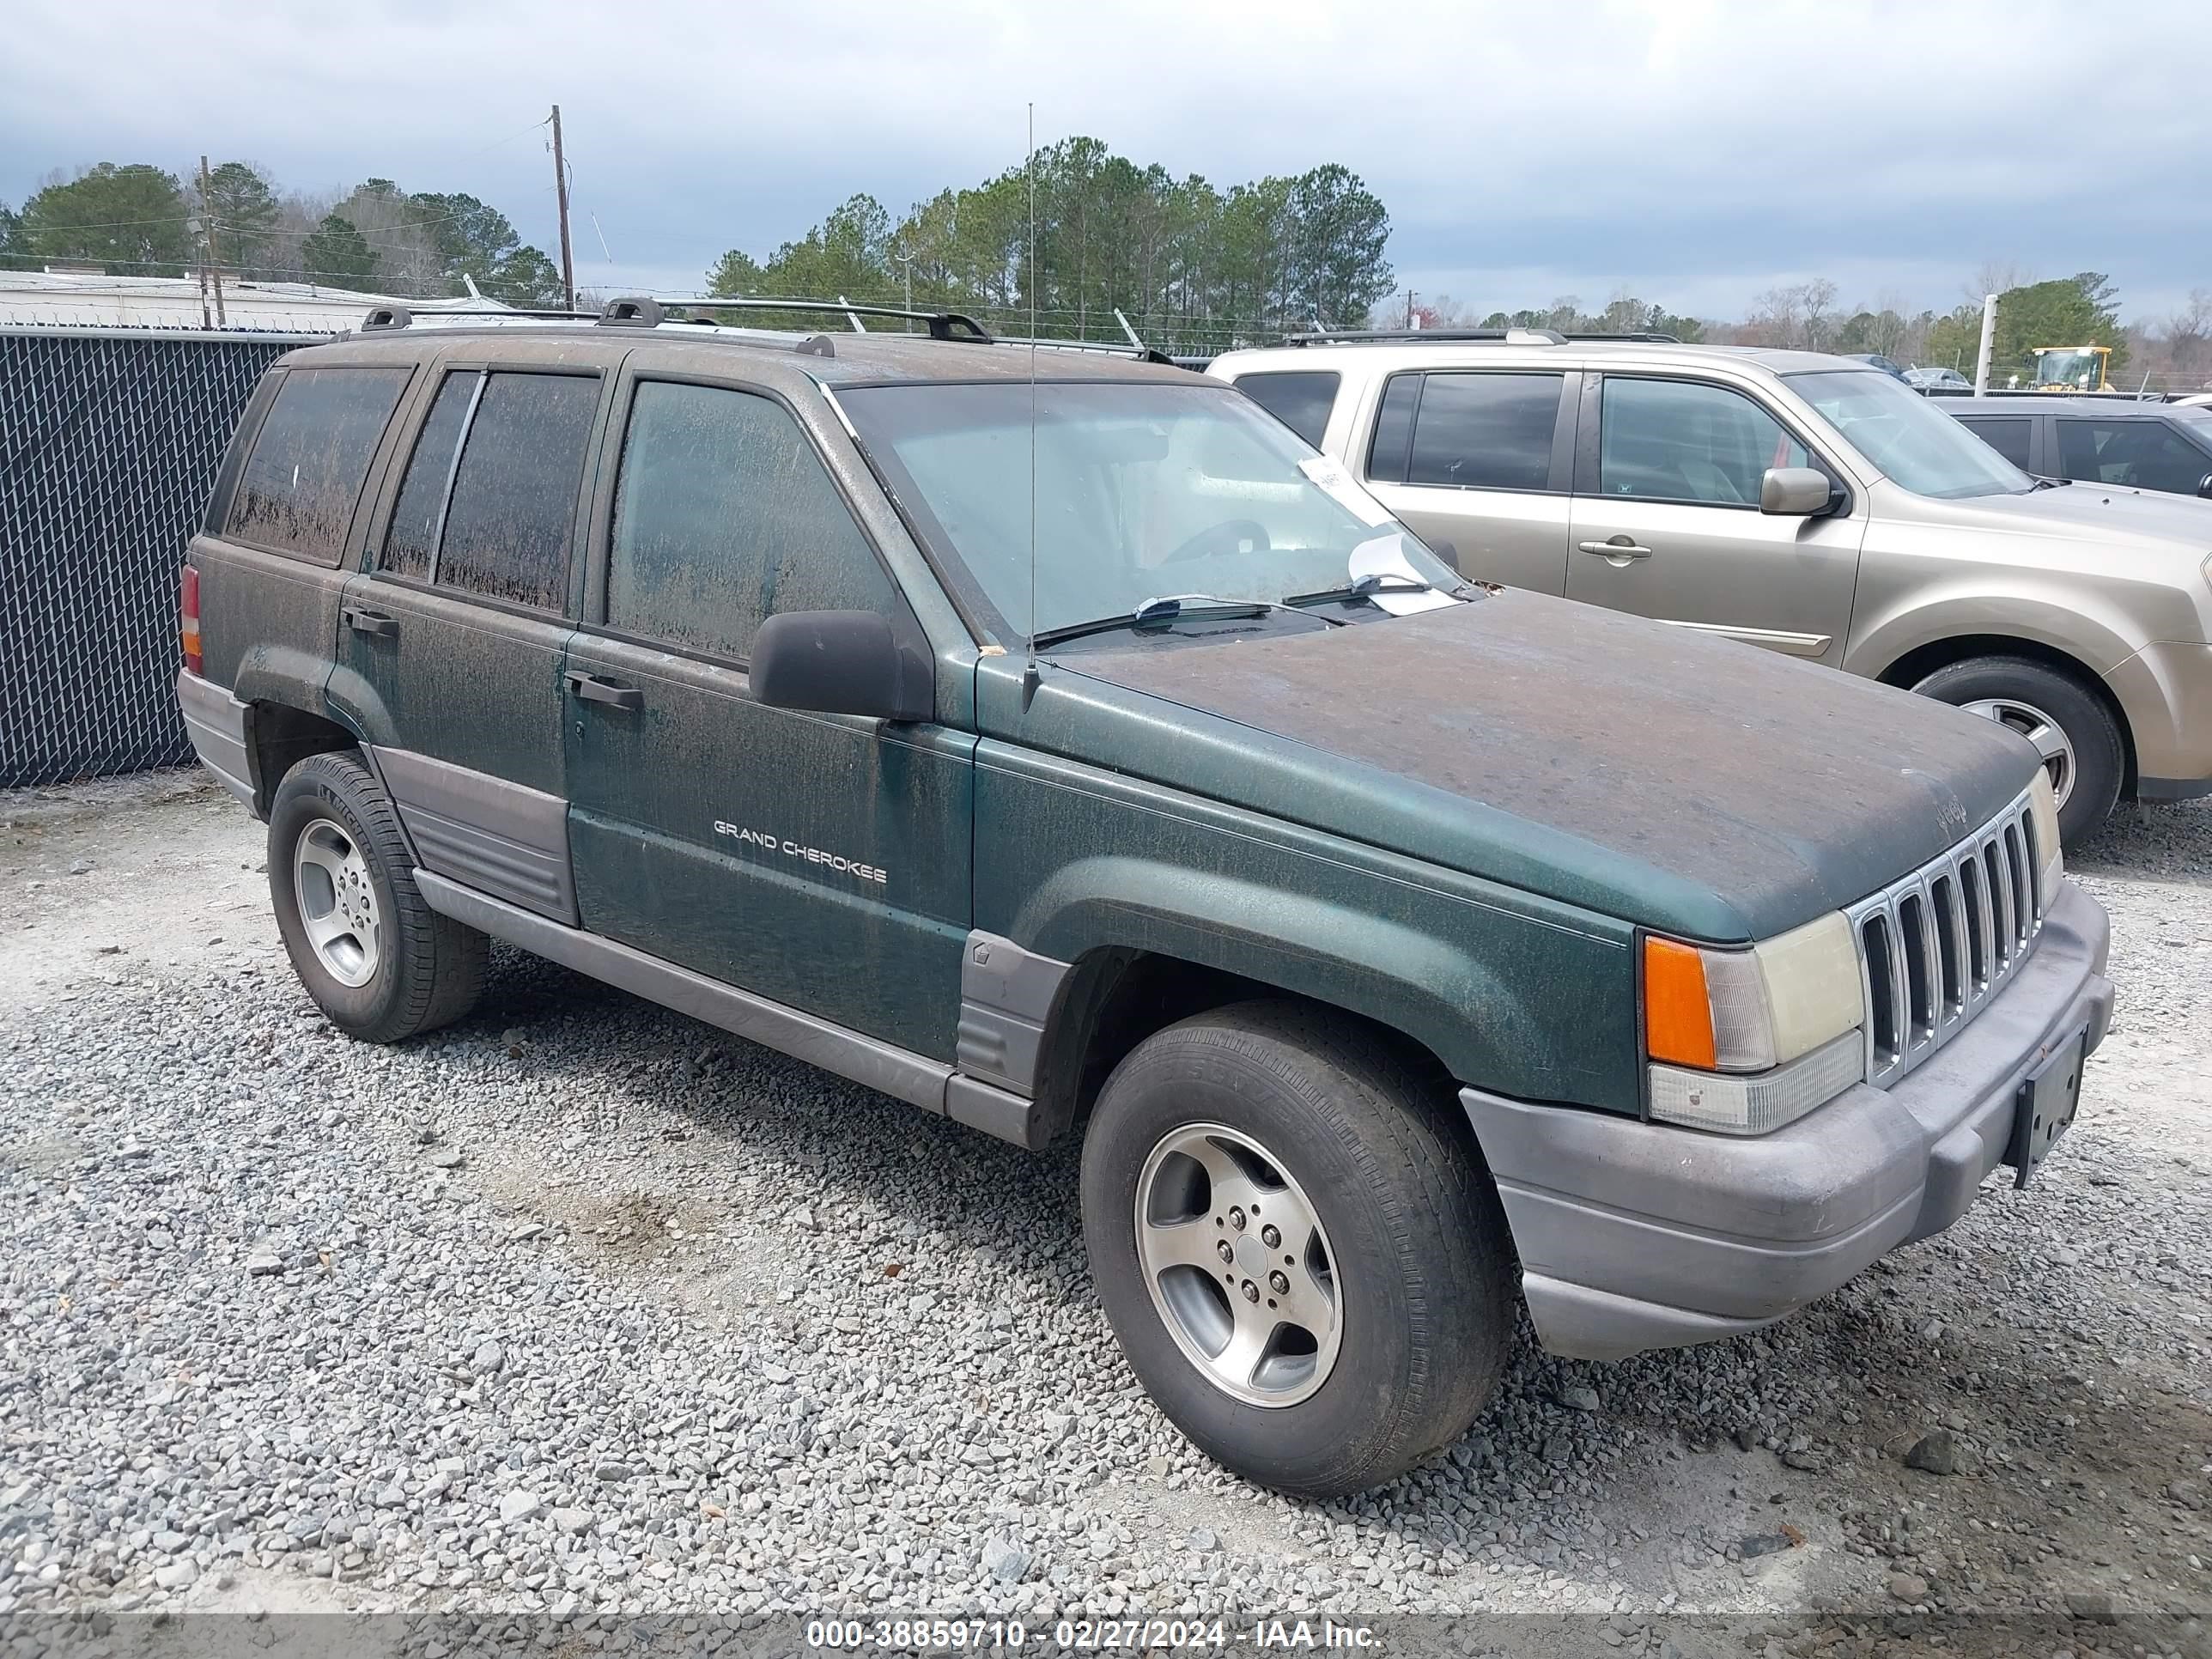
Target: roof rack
{"points": [[1505, 336], [640, 312], [384, 318]]}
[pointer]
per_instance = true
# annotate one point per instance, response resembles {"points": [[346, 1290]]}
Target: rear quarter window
{"points": [[303, 477], [1300, 400]]}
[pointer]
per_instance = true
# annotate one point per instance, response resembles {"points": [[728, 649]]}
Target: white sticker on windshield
{"points": [[1385, 556], [1346, 494]]}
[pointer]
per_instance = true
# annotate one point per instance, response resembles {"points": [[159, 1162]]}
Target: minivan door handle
{"points": [[592, 688], [374, 622], [1619, 548]]}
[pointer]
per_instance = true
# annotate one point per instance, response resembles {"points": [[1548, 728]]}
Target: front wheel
{"points": [[2069, 725], [1309, 1274]]}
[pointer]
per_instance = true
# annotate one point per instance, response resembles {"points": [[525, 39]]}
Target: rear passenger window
{"points": [[297, 491], [1486, 431], [514, 492], [1300, 401], [412, 544], [2008, 436], [724, 515]]}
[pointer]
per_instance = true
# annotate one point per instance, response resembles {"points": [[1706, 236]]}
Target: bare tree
{"points": [[2188, 338], [1994, 276]]}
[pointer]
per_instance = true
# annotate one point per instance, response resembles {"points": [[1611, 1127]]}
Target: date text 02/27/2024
{"points": [[1082, 1635]]}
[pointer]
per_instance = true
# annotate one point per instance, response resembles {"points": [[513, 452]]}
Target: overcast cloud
{"points": [[1696, 152]]}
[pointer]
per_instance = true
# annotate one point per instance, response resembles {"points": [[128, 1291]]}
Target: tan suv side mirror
{"points": [[1795, 492]]}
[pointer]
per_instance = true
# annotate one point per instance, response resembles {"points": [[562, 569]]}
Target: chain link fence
{"points": [[109, 443]]}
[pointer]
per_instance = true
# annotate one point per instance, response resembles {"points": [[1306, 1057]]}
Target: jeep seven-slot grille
{"points": [[1935, 947]]}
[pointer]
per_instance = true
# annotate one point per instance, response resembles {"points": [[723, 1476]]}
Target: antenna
{"points": [[1030, 674]]}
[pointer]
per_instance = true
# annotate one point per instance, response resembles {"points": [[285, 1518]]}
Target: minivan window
{"points": [[1143, 488], [2136, 454], [1300, 401], [2007, 435], [1486, 431], [411, 544], [1688, 441], [299, 486], [515, 493], [1909, 442], [1388, 452], [725, 515]]}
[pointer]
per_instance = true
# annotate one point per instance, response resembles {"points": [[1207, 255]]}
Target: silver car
{"points": [[1804, 504]]}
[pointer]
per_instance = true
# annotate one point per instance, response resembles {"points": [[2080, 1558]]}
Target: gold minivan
{"points": [[1804, 504]]}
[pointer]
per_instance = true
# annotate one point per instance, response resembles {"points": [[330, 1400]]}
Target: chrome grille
{"points": [[1935, 947]]}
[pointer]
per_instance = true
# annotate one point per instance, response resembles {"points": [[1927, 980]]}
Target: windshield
{"points": [[1909, 440], [2066, 369], [1144, 488]]}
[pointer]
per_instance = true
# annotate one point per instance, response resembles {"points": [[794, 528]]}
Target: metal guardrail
{"points": [[109, 442]]}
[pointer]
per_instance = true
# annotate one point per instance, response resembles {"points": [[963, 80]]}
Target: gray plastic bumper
{"points": [[1635, 1235], [215, 722]]}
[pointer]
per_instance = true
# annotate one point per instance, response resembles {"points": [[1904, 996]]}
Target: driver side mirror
{"points": [[1796, 492], [839, 662], [2204, 486]]}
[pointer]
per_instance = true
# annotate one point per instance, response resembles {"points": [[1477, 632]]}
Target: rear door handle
{"points": [[1620, 547], [371, 622], [592, 688]]}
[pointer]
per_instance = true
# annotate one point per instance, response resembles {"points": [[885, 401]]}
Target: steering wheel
{"points": [[1223, 538]]}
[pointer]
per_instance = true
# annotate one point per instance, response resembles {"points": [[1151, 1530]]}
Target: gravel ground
{"points": [[581, 1306]]}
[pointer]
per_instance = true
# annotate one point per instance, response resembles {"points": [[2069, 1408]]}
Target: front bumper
{"points": [[2165, 693], [1635, 1235]]}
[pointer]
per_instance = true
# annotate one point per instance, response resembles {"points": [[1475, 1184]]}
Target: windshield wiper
{"points": [[1165, 608], [1365, 588], [2048, 483]]}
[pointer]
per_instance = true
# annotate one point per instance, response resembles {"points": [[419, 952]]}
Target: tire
{"points": [[337, 864], [1419, 1281], [2091, 755]]}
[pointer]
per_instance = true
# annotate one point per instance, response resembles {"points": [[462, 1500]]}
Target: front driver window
{"points": [[2135, 455], [1683, 440]]}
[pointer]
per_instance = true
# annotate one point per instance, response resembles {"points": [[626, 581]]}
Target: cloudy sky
{"points": [[1695, 152]]}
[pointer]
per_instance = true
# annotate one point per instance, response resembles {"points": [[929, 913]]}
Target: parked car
{"points": [[2165, 447], [1938, 379], [1395, 947], [1799, 502], [1875, 359]]}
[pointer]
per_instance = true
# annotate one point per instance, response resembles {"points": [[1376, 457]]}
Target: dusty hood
{"points": [[1672, 778]]}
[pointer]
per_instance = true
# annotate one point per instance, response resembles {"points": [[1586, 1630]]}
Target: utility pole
{"points": [[1409, 309], [207, 226], [1989, 338], [560, 188]]}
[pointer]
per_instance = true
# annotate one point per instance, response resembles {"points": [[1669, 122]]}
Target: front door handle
{"points": [[592, 688], [1619, 548], [374, 622]]}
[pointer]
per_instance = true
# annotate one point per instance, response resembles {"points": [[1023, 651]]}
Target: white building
{"points": [[62, 296]]}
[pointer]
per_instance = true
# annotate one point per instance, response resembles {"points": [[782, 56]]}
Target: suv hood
{"points": [[2111, 515], [1688, 784]]}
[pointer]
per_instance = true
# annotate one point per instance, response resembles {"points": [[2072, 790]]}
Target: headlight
{"points": [[2043, 809], [1744, 1041]]}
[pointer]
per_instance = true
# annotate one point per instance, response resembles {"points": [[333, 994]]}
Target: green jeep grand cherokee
{"points": [[1057, 743]]}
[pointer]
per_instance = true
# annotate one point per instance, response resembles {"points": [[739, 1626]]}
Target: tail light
{"points": [[188, 612]]}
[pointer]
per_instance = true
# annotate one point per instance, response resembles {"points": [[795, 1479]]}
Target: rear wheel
{"points": [[1309, 1274], [375, 958], [2068, 724]]}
